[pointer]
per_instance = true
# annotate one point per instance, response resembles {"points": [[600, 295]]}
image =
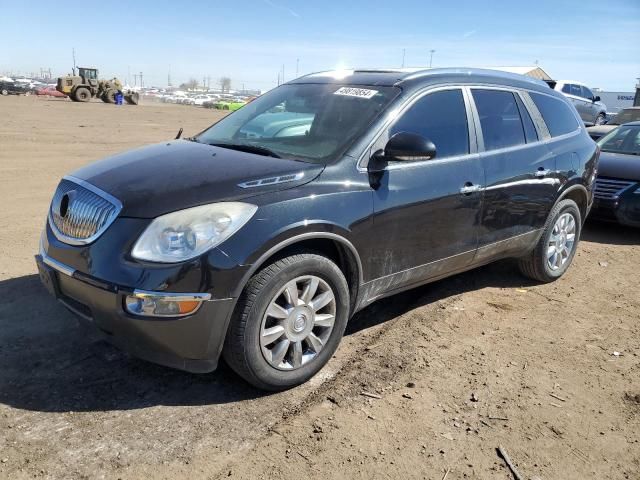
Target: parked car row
{"points": [[207, 100]]}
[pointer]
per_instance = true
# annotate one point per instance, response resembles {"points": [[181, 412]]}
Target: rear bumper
{"points": [[192, 343]]}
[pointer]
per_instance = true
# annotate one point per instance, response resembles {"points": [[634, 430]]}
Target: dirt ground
{"points": [[452, 370]]}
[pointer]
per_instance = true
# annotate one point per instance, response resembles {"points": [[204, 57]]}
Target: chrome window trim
{"points": [[395, 115], [473, 122], [101, 193]]}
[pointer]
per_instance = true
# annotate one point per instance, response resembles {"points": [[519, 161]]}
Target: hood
{"points": [[601, 130], [162, 178], [618, 165]]}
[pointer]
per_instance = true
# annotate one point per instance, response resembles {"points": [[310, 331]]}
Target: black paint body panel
{"points": [[411, 227]]}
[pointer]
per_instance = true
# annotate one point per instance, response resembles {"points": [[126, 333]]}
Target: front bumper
{"points": [[624, 210], [192, 343]]}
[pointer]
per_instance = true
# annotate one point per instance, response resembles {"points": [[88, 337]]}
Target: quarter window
{"points": [[440, 117], [557, 114], [566, 88], [499, 118]]}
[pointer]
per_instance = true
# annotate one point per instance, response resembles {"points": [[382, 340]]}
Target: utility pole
{"points": [[431, 58], [297, 66], [141, 84], [404, 51], [283, 73], [278, 78], [73, 53]]}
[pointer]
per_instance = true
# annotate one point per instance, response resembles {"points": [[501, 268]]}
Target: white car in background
{"points": [[200, 99], [591, 109]]}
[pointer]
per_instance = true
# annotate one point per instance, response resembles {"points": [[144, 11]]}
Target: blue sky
{"points": [[597, 42]]}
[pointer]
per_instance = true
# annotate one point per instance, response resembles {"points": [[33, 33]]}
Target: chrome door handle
{"points": [[542, 173], [467, 189]]}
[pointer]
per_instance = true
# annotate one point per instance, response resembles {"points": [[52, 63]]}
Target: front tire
{"points": [[288, 322], [600, 119], [557, 246], [82, 94]]}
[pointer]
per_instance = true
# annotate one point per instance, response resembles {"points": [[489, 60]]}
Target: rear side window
{"points": [[440, 117], [556, 114], [499, 119]]}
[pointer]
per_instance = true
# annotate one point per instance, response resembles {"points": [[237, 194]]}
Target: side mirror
{"points": [[409, 147], [596, 99]]}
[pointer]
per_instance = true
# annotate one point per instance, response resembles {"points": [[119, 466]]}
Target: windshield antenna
{"points": [[179, 133]]}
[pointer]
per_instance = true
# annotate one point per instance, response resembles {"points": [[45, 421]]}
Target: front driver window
{"points": [[440, 117]]}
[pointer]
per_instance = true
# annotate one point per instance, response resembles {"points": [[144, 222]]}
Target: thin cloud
{"points": [[282, 7], [469, 34]]}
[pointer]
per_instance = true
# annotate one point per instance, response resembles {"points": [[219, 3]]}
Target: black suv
{"points": [[260, 237]]}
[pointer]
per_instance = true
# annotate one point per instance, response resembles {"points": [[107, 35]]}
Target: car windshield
{"points": [[625, 139], [626, 116], [309, 122]]}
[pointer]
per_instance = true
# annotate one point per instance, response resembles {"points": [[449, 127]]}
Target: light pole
{"points": [[431, 57], [404, 50]]}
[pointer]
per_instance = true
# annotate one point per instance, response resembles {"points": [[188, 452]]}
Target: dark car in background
{"points": [[14, 88], [617, 194], [626, 115], [260, 237]]}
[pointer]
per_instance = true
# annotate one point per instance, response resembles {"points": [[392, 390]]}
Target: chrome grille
{"points": [[611, 188], [80, 212]]}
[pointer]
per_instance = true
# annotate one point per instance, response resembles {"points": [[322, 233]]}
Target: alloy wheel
{"points": [[561, 241], [298, 322]]}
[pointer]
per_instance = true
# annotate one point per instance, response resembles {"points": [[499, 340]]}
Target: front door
{"points": [[426, 213]]}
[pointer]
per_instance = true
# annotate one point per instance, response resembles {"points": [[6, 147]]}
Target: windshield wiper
{"points": [[243, 147]]}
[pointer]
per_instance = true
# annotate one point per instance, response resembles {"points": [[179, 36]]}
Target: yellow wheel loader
{"points": [[85, 86]]}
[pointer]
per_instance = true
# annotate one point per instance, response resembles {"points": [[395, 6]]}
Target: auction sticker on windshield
{"points": [[355, 92]]}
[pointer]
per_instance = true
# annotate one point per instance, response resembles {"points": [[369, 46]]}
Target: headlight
{"points": [[182, 235]]}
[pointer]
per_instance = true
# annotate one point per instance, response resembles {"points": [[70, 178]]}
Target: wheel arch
{"points": [[579, 194], [335, 247]]}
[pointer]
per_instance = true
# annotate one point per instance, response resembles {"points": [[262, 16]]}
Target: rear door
{"points": [[519, 169], [426, 214]]}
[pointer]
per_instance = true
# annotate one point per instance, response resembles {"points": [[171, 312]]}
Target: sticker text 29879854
{"points": [[355, 92]]}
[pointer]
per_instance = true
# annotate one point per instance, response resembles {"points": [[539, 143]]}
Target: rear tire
{"points": [[600, 119], [557, 246], [4, 92], [82, 94], [306, 336]]}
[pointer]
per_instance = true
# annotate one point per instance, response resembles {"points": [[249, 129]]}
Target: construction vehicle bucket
{"points": [[132, 98]]}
